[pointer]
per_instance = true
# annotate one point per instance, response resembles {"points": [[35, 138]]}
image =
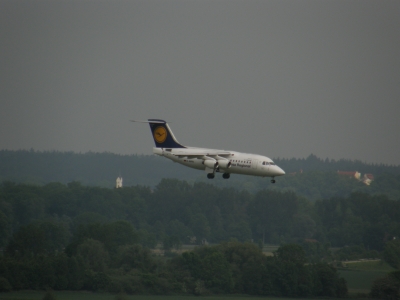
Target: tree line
{"points": [[118, 264], [315, 178], [180, 213]]}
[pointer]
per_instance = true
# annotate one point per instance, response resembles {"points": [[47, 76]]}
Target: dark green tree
{"points": [[327, 281], [5, 285], [387, 287], [94, 255], [240, 231], [136, 257], [40, 237], [5, 229], [271, 214], [200, 227], [391, 253], [291, 253], [216, 273]]}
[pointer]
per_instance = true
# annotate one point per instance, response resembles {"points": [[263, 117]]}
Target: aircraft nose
{"points": [[279, 171]]}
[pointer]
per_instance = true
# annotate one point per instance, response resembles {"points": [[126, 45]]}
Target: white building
{"points": [[118, 183]]}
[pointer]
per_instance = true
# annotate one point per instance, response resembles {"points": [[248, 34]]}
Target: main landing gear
{"points": [[226, 175], [212, 175]]}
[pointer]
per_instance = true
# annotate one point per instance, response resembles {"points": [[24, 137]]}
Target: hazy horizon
{"points": [[278, 78], [151, 154]]}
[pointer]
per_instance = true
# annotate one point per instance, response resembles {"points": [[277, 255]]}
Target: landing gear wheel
{"points": [[210, 175], [273, 181], [226, 175]]}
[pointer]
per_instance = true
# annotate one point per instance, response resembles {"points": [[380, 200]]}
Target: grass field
{"points": [[269, 249], [361, 274], [37, 295]]}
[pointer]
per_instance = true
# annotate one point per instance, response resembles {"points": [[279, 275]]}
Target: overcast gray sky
{"points": [[278, 78]]}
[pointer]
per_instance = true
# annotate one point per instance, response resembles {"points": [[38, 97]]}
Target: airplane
{"points": [[210, 160]]}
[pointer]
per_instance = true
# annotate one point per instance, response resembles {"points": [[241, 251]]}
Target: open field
{"points": [[269, 249], [360, 281], [361, 274], [369, 265], [38, 295]]}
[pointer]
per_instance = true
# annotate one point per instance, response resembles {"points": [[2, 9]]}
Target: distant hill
{"points": [[314, 163], [89, 168], [311, 177]]}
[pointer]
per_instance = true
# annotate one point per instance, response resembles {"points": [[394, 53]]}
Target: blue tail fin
{"points": [[162, 134]]}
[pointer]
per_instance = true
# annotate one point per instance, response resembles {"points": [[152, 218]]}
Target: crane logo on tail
{"points": [[160, 134]]}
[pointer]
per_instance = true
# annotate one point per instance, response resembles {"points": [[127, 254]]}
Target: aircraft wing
{"points": [[199, 153]]}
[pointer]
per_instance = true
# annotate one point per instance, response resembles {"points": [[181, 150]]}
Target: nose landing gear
{"points": [[272, 180]]}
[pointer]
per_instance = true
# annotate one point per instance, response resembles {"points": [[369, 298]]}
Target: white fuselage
{"points": [[239, 163]]}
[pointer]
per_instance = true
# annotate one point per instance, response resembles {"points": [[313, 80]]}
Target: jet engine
{"points": [[210, 163], [224, 163]]}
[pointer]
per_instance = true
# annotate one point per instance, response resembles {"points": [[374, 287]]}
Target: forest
{"points": [[77, 235], [311, 177], [177, 208], [92, 238]]}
